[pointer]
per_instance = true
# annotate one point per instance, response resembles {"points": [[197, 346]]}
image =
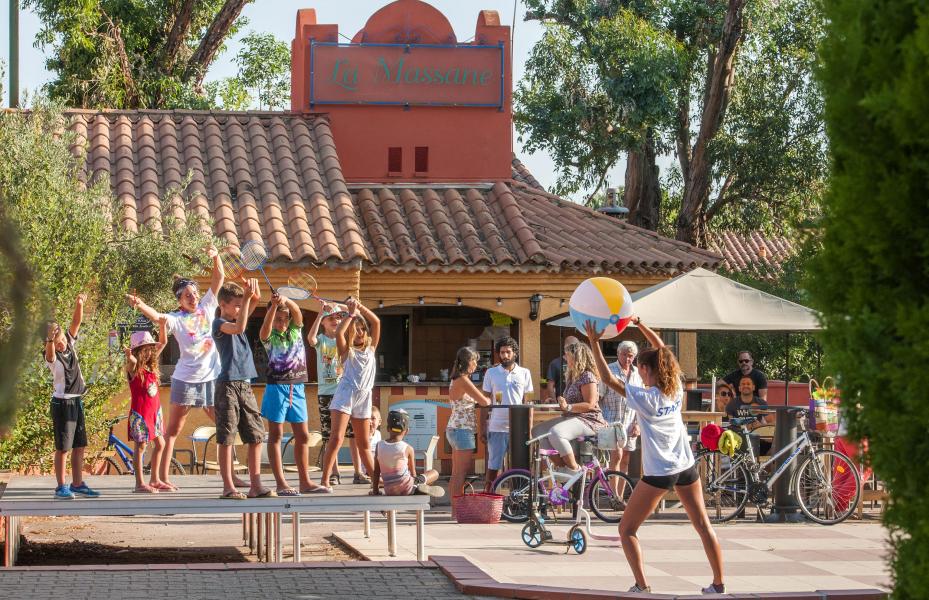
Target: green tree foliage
{"points": [[727, 86], [66, 234], [870, 279], [264, 66], [133, 53]]}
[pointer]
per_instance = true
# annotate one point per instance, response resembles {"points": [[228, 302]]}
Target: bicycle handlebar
{"points": [[113, 422]]}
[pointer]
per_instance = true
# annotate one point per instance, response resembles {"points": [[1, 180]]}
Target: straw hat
{"points": [[141, 338]]}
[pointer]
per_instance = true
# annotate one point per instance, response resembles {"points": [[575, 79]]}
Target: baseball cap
{"points": [[337, 310], [398, 421]]}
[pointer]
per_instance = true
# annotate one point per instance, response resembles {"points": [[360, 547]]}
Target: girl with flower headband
{"points": [[194, 378]]}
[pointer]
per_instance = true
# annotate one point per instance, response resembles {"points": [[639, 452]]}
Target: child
{"points": [[236, 407], [375, 426], [356, 339], [396, 463], [285, 398], [329, 371], [67, 403], [193, 382], [145, 423]]}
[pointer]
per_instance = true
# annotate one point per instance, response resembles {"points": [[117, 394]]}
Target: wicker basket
{"points": [[480, 508]]}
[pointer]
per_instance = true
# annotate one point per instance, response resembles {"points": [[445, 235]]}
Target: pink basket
{"points": [[480, 508]]}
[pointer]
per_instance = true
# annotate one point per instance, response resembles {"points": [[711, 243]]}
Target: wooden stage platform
{"points": [[200, 494]]}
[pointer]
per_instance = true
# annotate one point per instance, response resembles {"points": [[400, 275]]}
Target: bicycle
{"points": [[603, 499], [125, 454], [827, 483]]}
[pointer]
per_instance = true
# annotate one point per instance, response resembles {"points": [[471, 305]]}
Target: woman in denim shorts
{"points": [[463, 395]]}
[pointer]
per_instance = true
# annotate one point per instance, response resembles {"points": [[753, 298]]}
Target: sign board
{"points": [[423, 421], [406, 74]]}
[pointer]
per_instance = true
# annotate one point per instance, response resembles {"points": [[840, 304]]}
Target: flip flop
{"points": [[288, 492], [264, 494], [165, 487], [236, 495], [142, 490], [321, 490]]}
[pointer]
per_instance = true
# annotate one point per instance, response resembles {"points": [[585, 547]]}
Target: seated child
{"points": [[395, 462]]}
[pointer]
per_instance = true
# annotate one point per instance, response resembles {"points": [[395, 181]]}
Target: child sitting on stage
{"points": [[145, 422], [394, 460]]}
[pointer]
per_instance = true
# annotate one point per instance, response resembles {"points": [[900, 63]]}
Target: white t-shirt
{"points": [[665, 445], [199, 361], [512, 385]]}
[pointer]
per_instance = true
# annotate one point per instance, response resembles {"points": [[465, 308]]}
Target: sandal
{"points": [[361, 479], [288, 492], [164, 487], [266, 493], [321, 490], [145, 489], [233, 495]]}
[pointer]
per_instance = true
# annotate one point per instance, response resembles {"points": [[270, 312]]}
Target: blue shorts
{"points": [[460, 439], [276, 405], [498, 442]]}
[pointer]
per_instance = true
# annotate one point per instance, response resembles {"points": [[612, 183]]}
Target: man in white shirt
{"points": [[508, 384], [615, 408]]}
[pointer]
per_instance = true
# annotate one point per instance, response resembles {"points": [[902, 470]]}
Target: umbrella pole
{"points": [[786, 368]]}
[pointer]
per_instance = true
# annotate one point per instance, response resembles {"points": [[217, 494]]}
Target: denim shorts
{"points": [[460, 439], [498, 442]]}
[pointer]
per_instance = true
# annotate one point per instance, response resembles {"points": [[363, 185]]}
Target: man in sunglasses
{"points": [[747, 369]]}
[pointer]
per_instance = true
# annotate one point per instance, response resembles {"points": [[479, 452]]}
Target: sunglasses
{"points": [[744, 360], [725, 395]]}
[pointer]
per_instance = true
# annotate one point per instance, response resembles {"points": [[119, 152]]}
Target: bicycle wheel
{"points": [[725, 490], [607, 497], [514, 487], [112, 467], [828, 486], [177, 468]]}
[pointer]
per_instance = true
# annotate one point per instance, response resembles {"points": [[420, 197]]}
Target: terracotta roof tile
{"points": [[753, 253], [276, 177]]}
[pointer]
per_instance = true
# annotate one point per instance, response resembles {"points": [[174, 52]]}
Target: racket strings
{"points": [[304, 281], [253, 255]]}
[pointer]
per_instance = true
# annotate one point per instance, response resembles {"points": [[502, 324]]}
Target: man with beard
{"points": [[508, 384]]}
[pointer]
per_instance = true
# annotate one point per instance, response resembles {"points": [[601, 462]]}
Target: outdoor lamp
{"points": [[422, 300], [534, 301], [459, 301]]}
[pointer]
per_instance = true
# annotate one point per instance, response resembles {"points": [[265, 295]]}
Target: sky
{"points": [[279, 17]]}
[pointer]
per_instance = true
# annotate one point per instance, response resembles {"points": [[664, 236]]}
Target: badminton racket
{"points": [[253, 256], [232, 267], [307, 284]]}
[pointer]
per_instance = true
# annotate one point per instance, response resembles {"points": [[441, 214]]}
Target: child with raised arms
{"points": [[356, 339], [284, 399], [145, 422]]}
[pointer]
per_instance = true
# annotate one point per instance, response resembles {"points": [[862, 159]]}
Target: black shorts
{"points": [[666, 482], [236, 410], [68, 423]]}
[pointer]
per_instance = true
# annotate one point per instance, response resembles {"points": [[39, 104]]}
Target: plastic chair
{"points": [[426, 458], [212, 465], [287, 454], [200, 435]]}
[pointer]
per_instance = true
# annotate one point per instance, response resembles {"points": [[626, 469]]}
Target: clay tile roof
{"points": [[523, 175], [753, 253], [276, 177], [264, 176]]}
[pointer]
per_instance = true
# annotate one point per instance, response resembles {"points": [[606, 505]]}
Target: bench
{"points": [[33, 496]]}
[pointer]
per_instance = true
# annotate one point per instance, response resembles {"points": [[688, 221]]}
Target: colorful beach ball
{"points": [[603, 301]]}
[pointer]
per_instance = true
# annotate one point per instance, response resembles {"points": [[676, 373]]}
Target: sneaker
{"points": [[85, 490], [333, 480], [715, 589], [63, 492], [565, 473], [640, 590], [424, 488]]}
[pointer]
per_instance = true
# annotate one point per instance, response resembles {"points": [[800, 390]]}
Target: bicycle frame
{"points": [[798, 445], [124, 452]]}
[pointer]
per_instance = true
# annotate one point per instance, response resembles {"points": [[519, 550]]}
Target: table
{"points": [[199, 494], [520, 417]]}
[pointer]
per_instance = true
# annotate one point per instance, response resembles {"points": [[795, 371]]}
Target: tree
{"points": [[869, 278], [118, 54], [70, 245], [264, 65], [599, 83], [736, 102]]}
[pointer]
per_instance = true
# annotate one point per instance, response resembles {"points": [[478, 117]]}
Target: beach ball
{"points": [[603, 301]]}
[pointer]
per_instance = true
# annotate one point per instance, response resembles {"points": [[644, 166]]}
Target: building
{"points": [[392, 179]]}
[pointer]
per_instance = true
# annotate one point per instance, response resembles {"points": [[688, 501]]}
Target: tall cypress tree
{"points": [[871, 279]]}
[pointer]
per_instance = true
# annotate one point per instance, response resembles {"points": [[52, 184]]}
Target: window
{"points": [[422, 159], [394, 161]]}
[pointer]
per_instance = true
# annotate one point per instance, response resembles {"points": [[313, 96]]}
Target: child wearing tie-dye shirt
{"points": [[285, 398]]}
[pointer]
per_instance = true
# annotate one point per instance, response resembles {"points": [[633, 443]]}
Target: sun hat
{"points": [[710, 435], [141, 338]]}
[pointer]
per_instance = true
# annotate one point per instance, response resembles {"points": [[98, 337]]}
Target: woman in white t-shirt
{"points": [[667, 461]]}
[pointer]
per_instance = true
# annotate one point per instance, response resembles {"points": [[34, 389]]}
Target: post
{"points": [[420, 535], [7, 541], [14, 53], [367, 524], [244, 529], [251, 532], [295, 519], [519, 435], [278, 543], [392, 533], [260, 518], [268, 537]]}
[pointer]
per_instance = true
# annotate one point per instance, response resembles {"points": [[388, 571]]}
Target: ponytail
{"points": [[462, 361], [664, 365]]}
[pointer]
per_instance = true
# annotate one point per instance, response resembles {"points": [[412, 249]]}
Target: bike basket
{"points": [[479, 508], [611, 437]]}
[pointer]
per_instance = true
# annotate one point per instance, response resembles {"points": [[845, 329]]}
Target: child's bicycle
{"points": [[604, 491], [535, 533], [826, 483], [125, 454]]}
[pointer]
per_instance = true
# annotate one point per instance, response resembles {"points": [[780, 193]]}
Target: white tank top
{"points": [[357, 375], [395, 467]]}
